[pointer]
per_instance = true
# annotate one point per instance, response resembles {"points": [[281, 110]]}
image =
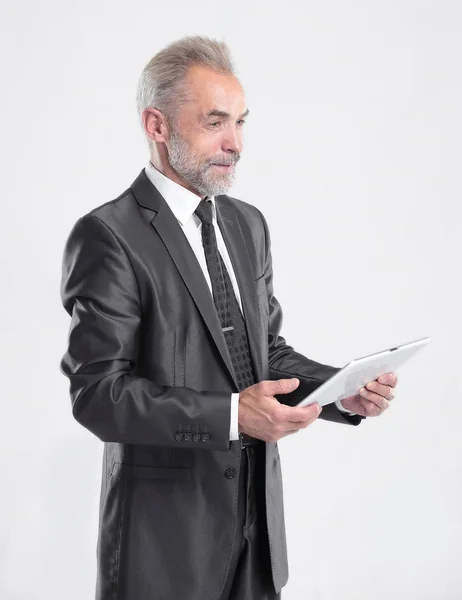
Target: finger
{"points": [[376, 399], [364, 403], [291, 431], [382, 390], [301, 424], [371, 409], [390, 379], [298, 414], [312, 419], [279, 386]]}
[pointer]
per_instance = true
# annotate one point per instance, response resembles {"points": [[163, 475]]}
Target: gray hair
{"points": [[161, 84]]}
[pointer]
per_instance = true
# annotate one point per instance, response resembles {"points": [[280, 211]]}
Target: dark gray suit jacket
{"points": [[151, 376]]}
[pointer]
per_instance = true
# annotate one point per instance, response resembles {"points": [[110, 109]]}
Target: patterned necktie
{"points": [[229, 313]]}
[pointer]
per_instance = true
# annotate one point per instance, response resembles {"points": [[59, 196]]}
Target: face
{"points": [[206, 141]]}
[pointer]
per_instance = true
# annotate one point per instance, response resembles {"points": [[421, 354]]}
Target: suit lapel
{"points": [[168, 228]]}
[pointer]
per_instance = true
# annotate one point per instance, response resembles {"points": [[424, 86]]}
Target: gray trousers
{"points": [[250, 571]]}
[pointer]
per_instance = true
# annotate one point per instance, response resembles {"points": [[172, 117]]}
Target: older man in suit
{"points": [[175, 357]]}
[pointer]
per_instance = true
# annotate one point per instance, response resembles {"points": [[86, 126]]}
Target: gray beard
{"points": [[201, 176]]}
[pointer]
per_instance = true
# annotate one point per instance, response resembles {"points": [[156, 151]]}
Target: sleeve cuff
{"points": [[234, 422]]}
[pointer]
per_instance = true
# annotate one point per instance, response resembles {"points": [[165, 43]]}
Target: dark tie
{"points": [[229, 312]]}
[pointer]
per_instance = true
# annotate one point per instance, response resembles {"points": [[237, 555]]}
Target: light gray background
{"points": [[352, 151]]}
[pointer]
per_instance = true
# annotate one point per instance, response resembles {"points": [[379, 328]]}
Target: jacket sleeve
{"points": [[100, 292], [284, 362]]}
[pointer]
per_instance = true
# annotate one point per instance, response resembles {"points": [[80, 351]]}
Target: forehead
{"points": [[210, 90]]}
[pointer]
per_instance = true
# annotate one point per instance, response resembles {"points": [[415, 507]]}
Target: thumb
{"points": [[284, 386]]}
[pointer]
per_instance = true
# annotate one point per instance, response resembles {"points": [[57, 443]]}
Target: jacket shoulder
{"points": [[111, 207], [116, 214]]}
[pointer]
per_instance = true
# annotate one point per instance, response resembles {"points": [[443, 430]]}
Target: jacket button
{"points": [[230, 473], [187, 437], [205, 437], [179, 436], [197, 437]]}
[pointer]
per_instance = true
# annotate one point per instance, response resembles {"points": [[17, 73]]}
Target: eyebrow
{"points": [[223, 114]]}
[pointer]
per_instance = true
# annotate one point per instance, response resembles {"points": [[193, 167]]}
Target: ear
{"points": [[155, 125]]}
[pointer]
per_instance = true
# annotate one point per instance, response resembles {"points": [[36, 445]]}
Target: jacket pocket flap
{"points": [[146, 472]]}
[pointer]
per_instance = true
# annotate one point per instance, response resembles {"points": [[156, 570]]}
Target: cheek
{"points": [[210, 146], [204, 147]]}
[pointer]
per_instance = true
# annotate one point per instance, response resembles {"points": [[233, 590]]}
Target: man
{"points": [[175, 354]]}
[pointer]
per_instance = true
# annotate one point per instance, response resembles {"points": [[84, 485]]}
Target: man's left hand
{"points": [[374, 398]]}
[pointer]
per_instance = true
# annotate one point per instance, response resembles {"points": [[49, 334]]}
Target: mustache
{"points": [[225, 161]]}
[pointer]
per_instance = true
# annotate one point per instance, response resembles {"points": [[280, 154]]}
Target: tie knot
{"points": [[204, 211]]}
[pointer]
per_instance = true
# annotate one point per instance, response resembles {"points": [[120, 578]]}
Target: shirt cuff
{"points": [[234, 422], [341, 408]]}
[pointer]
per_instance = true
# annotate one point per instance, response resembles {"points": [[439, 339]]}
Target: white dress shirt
{"points": [[183, 203]]}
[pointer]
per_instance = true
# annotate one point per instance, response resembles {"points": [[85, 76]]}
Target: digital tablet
{"points": [[355, 374]]}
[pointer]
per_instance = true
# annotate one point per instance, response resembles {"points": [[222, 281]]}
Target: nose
{"points": [[233, 140]]}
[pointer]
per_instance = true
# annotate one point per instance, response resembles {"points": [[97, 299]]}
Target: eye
{"points": [[241, 121], [215, 123]]}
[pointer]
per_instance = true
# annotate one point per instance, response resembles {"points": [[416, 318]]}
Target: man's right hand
{"points": [[263, 417]]}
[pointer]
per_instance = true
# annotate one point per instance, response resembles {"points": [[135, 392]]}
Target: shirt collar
{"points": [[182, 202]]}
